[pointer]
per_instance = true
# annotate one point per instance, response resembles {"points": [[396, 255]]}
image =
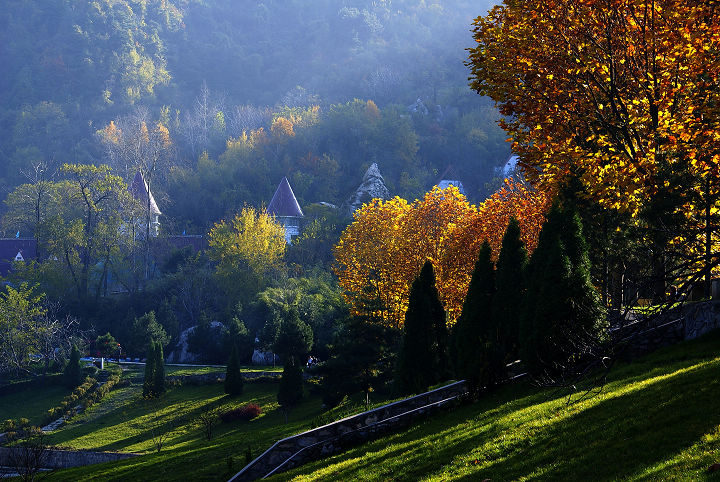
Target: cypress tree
{"points": [[290, 391], [73, 371], [472, 336], [148, 383], [423, 356], [159, 375], [562, 314], [233, 377], [506, 303]]}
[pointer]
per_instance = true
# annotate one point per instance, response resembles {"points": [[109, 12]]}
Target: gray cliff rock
{"points": [[373, 186]]}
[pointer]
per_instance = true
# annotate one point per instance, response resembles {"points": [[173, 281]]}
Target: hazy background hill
{"points": [[72, 66]]}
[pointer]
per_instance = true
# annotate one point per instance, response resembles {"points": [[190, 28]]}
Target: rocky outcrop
{"points": [[373, 186], [260, 357], [181, 353]]}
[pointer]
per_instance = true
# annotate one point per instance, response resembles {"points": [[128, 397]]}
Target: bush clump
{"points": [[246, 412]]}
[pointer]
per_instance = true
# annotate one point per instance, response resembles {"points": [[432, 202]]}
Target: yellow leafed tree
{"points": [[383, 250]]}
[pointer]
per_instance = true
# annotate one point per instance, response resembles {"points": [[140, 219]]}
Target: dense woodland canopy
{"points": [[214, 102], [212, 71]]}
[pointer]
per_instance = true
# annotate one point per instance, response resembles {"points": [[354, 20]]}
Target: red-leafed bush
{"points": [[246, 412]]}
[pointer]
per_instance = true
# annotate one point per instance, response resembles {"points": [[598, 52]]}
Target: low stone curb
{"points": [[63, 459], [331, 438]]}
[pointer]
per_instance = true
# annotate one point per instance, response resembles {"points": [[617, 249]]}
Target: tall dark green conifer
{"points": [[148, 383], [473, 340], [562, 315], [290, 391], [159, 371], [423, 356], [233, 377], [511, 264], [73, 371]]}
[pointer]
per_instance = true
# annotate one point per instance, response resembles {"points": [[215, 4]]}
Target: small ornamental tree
{"points": [[73, 371], [475, 341], [159, 371], [291, 385], [363, 358], [148, 384], [295, 337], [421, 359], [106, 344], [233, 377]]}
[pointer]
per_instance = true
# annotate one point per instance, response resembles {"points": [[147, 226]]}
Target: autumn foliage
{"points": [[621, 93], [382, 251]]}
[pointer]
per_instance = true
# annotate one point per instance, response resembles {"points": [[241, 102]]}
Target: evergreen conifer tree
{"points": [[290, 391], [511, 264], [421, 357], [562, 314], [363, 356], [233, 377], [148, 383], [295, 337], [159, 371], [73, 371], [473, 341]]}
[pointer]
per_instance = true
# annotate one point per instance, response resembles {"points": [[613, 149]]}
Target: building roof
{"points": [[446, 183], [283, 202], [16, 249], [139, 190]]}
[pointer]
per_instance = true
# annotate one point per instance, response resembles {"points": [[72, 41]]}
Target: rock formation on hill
{"points": [[373, 186]]}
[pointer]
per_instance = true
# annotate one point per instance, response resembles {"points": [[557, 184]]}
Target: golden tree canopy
{"points": [[382, 251]]}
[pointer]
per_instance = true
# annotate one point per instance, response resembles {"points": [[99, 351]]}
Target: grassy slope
{"points": [[657, 418], [122, 423], [32, 403]]}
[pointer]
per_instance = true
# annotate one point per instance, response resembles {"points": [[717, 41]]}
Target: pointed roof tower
{"points": [[283, 202], [139, 190]]}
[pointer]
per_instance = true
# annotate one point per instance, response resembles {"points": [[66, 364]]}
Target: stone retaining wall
{"points": [[701, 318], [685, 323], [216, 377], [322, 441], [61, 459]]}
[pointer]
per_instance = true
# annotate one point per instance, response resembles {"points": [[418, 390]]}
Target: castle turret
{"points": [[286, 210]]}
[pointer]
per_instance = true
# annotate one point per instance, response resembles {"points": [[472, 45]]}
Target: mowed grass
{"points": [[125, 422], [31, 403], [202, 370], [656, 419]]}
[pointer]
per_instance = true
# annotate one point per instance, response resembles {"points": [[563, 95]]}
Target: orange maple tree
{"points": [[618, 92], [382, 251], [621, 94]]}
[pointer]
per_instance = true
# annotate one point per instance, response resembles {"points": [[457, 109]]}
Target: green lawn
{"points": [[125, 422], [31, 403], [657, 419], [175, 370]]}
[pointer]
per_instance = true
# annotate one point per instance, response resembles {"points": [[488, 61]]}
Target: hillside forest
{"points": [[214, 103]]}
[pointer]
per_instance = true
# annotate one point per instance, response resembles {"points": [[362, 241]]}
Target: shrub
{"points": [[246, 412], [8, 425], [24, 423]]}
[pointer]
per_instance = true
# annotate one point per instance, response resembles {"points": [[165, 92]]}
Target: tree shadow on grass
{"points": [[619, 436], [610, 439]]}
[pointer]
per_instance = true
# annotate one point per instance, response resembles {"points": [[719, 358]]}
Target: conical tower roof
{"points": [[139, 191], [283, 202]]}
